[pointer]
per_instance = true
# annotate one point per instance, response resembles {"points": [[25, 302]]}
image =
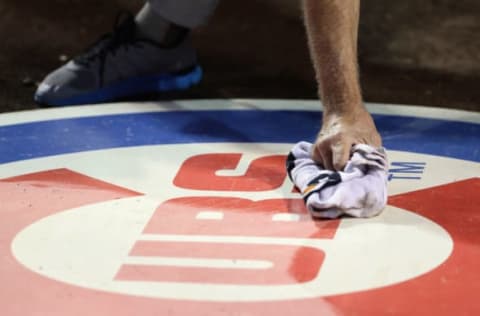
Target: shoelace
{"points": [[123, 34]]}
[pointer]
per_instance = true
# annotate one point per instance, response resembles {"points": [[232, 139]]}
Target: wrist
{"points": [[343, 111]]}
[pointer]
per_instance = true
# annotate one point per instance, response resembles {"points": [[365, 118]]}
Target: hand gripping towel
{"points": [[360, 190]]}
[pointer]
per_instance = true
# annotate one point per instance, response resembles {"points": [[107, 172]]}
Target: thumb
{"points": [[316, 154], [341, 154]]}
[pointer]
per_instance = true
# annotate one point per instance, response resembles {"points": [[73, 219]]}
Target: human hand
{"points": [[339, 133]]}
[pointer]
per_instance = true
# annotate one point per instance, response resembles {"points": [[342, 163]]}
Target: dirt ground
{"points": [[411, 52]]}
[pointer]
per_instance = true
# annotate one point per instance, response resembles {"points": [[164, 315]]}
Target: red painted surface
{"points": [[263, 174], [242, 217], [288, 267], [450, 289]]}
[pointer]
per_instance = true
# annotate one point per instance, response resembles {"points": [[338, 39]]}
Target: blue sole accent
{"points": [[132, 87]]}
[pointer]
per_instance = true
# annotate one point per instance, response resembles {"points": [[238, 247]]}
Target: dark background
{"points": [[411, 52]]}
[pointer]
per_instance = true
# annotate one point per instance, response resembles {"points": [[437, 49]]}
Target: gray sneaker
{"points": [[120, 65]]}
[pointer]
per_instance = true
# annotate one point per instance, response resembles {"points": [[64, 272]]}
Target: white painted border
{"points": [[225, 104]]}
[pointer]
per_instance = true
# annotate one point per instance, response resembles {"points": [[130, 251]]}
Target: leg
{"points": [[332, 28], [164, 20], [187, 13]]}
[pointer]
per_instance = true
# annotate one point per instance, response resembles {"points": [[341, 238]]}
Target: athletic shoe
{"points": [[120, 65]]}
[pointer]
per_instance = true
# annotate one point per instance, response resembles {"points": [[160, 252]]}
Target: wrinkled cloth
{"points": [[360, 190]]}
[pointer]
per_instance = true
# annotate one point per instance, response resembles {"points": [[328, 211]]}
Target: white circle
{"points": [[88, 245]]}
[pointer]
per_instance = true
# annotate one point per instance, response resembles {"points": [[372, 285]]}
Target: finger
{"points": [[377, 141], [316, 155], [341, 154], [327, 158], [321, 154]]}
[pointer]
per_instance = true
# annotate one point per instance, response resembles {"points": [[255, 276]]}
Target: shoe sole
{"points": [[133, 86]]}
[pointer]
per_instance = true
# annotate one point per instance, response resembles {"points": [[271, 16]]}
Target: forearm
{"points": [[332, 29]]}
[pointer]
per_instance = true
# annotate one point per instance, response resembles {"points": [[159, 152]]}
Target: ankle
{"points": [[174, 35], [152, 26]]}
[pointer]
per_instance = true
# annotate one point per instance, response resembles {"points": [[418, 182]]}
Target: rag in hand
{"points": [[360, 190]]}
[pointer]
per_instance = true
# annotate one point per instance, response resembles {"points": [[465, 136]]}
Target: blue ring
{"points": [[62, 136]]}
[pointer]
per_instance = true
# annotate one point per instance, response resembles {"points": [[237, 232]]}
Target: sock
{"points": [[360, 190], [154, 27]]}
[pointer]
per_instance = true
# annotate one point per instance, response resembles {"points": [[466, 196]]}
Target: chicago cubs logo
{"points": [[202, 219]]}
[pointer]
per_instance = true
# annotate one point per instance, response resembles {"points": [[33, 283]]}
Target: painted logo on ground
{"points": [[216, 226]]}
